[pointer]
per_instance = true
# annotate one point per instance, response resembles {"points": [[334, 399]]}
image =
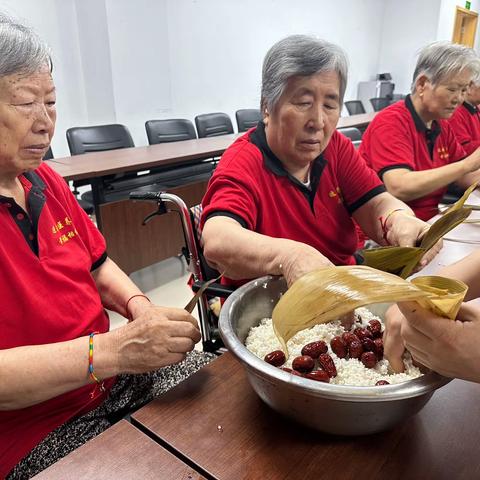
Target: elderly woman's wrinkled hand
{"points": [[301, 260], [449, 347], [158, 337], [408, 231]]}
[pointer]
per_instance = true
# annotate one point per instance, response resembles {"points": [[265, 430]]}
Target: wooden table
{"points": [[121, 452], [359, 121], [99, 164], [215, 420]]}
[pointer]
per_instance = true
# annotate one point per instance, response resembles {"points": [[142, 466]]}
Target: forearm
{"points": [[243, 254], [115, 288], [468, 271], [36, 373], [368, 215], [410, 185], [468, 179]]}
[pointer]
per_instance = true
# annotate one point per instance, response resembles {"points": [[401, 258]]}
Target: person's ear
{"points": [[421, 84], [266, 116]]}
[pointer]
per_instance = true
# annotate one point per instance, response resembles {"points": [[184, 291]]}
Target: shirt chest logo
{"points": [[443, 153], [336, 195], [64, 230]]}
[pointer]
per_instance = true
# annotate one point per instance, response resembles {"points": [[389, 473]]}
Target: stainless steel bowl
{"points": [[337, 409]]}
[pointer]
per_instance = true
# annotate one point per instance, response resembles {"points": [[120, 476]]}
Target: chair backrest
{"points": [[213, 124], [98, 138], [352, 133], [355, 107], [380, 103], [49, 154], [171, 130], [247, 118]]}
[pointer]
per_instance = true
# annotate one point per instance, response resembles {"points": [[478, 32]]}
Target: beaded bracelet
{"points": [[99, 383], [128, 301]]}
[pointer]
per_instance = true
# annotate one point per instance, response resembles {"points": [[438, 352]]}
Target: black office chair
{"points": [[453, 194], [380, 103], [247, 118], [171, 130], [354, 134], [355, 107], [98, 138], [213, 124], [49, 154]]}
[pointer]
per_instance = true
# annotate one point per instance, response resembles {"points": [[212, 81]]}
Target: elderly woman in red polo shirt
{"points": [[411, 145], [284, 197], [58, 362], [465, 121]]}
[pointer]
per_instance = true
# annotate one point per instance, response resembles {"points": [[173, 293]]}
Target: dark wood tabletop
{"points": [[121, 452], [357, 121], [96, 164], [215, 420]]}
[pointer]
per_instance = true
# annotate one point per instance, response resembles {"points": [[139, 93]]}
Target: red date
{"points": [[378, 342], [339, 347], [318, 375], [362, 333], [326, 362], [375, 328], [355, 349], [303, 364], [314, 349], [286, 369], [276, 358], [368, 345], [382, 382], [368, 359], [349, 337]]}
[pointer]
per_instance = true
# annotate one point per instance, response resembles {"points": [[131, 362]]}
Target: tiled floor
{"points": [[165, 283]]}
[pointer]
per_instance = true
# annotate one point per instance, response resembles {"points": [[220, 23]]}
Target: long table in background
{"points": [[130, 244]]}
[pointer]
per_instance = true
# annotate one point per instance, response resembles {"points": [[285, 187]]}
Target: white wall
{"points": [[408, 26], [217, 46], [55, 21], [129, 61], [199, 56]]}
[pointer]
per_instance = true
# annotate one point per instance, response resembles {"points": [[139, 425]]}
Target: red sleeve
{"points": [[388, 145], [460, 126], [88, 232], [232, 190], [455, 150], [357, 181]]}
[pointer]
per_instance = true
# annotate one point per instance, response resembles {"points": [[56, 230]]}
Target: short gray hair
{"points": [[299, 55], [439, 61], [21, 50]]}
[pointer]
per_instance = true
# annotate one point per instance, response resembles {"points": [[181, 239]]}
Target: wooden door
{"points": [[465, 27]]}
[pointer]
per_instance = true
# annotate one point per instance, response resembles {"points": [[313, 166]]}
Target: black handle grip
{"points": [[153, 196], [215, 289]]}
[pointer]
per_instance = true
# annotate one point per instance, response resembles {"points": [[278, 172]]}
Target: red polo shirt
{"points": [[465, 122], [48, 296], [398, 138], [251, 185]]}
